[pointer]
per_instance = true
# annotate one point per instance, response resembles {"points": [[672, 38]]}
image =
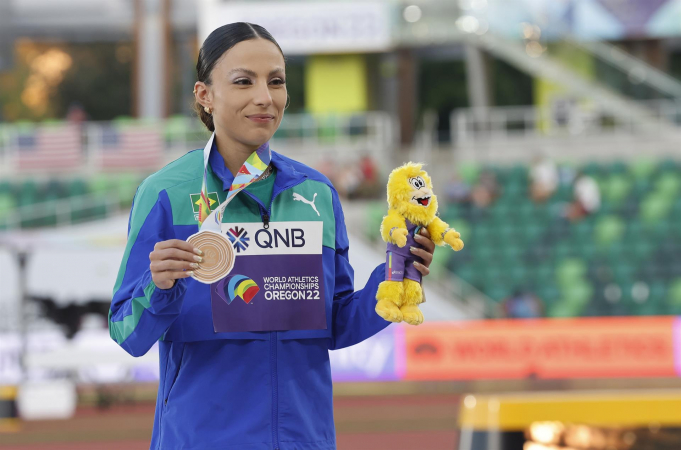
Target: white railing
{"points": [[62, 211], [318, 135], [476, 124]]}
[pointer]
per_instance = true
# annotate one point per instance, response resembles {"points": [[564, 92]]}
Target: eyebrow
{"points": [[253, 74]]}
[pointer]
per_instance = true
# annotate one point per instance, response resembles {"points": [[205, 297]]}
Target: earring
{"points": [[207, 109]]}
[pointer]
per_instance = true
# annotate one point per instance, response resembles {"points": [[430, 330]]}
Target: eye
{"points": [[417, 182], [239, 81], [280, 81]]}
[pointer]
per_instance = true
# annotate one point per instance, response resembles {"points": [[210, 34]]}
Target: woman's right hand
{"points": [[171, 260]]}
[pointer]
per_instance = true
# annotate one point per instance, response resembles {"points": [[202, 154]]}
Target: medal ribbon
{"points": [[254, 166]]}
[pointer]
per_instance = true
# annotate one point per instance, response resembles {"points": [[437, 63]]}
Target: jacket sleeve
{"points": [[354, 316], [140, 313]]}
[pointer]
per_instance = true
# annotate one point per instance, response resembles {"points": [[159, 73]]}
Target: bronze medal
{"points": [[218, 256]]}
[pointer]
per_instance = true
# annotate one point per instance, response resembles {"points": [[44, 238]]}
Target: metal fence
{"points": [[565, 121]]}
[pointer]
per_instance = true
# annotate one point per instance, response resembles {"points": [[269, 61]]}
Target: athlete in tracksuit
{"points": [[239, 390]]}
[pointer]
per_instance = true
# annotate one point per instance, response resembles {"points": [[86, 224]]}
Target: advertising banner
{"points": [[308, 27], [558, 348]]}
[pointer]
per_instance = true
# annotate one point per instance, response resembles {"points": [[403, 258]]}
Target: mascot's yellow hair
{"points": [[399, 194], [400, 207]]}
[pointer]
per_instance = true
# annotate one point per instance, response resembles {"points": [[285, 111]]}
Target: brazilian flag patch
{"points": [[212, 199]]}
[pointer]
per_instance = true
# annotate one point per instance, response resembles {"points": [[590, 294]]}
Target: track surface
{"points": [[406, 422]]}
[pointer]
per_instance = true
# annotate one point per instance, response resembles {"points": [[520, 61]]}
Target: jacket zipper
{"points": [[275, 393], [265, 216]]}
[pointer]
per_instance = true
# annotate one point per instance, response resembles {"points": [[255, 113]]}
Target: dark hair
{"points": [[215, 45]]}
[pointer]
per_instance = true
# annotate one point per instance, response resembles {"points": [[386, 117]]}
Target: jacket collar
{"points": [[286, 176]]}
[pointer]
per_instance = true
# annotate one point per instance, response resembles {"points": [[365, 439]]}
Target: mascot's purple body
{"points": [[412, 206], [399, 261]]}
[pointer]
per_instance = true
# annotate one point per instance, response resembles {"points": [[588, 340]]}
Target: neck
{"points": [[234, 153]]}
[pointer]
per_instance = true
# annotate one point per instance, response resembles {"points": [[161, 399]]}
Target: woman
{"points": [[256, 382]]}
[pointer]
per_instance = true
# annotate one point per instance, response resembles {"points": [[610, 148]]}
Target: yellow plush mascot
{"points": [[412, 205]]}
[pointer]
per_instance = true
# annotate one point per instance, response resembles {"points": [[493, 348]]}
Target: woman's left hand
{"points": [[426, 253]]}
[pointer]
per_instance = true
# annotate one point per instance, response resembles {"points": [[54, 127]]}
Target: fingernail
{"points": [[194, 266], [198, 259], [190, 273], [198, 252], [413, 249]]}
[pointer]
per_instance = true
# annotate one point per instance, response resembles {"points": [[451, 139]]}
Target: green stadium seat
{"points": [[126, 186], [569, 271], [564, 249], [463, 227], [618, 167], [7, 205], [498, 292], [593, 169], [78, 187], [655, 207], [469, 172], [372, 224], [668, 184], [609, 229], [642, 169], [616, 188], [27, 193], [548, 294], [468, 274], [668, 165], [565, 309], [675, 293]]}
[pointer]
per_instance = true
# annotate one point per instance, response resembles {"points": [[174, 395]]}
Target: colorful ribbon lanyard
{"points": [[254, 166]]}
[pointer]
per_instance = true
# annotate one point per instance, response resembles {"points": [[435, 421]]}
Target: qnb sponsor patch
{"points": [[280, 279], [281, 238]]}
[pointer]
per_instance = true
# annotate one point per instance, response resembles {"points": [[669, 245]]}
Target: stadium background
{"points": [[551, 129]]}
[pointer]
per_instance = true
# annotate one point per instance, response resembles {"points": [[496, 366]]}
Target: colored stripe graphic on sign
{"points": [[236, 286]]}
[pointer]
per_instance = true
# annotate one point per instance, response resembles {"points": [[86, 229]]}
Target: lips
{"points": [[423, 201], [261, 116]]}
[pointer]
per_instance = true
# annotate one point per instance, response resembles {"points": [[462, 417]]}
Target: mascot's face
{"points": [[410, 192], [421, 194]]}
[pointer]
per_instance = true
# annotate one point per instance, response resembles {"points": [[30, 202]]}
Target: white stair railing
{"points": [[62, 210]]}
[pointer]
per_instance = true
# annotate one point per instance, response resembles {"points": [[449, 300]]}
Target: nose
{"points": [[262, 95]]}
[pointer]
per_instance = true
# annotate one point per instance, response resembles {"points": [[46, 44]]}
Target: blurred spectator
{"points": [[353, 180], [522, 305], [370, 185], [76, 114], [457, 190], [544, 179], [327, 167], [587, 198], [348, 179], [486, 191], [369, 170]]}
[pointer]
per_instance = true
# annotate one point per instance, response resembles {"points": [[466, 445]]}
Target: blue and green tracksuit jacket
{"points": [[245, 390]]}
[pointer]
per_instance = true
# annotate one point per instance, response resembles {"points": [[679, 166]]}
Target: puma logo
{"points": [[300, 198]]}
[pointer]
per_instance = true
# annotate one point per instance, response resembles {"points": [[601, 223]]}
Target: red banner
{"points": [[558, 348]]}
